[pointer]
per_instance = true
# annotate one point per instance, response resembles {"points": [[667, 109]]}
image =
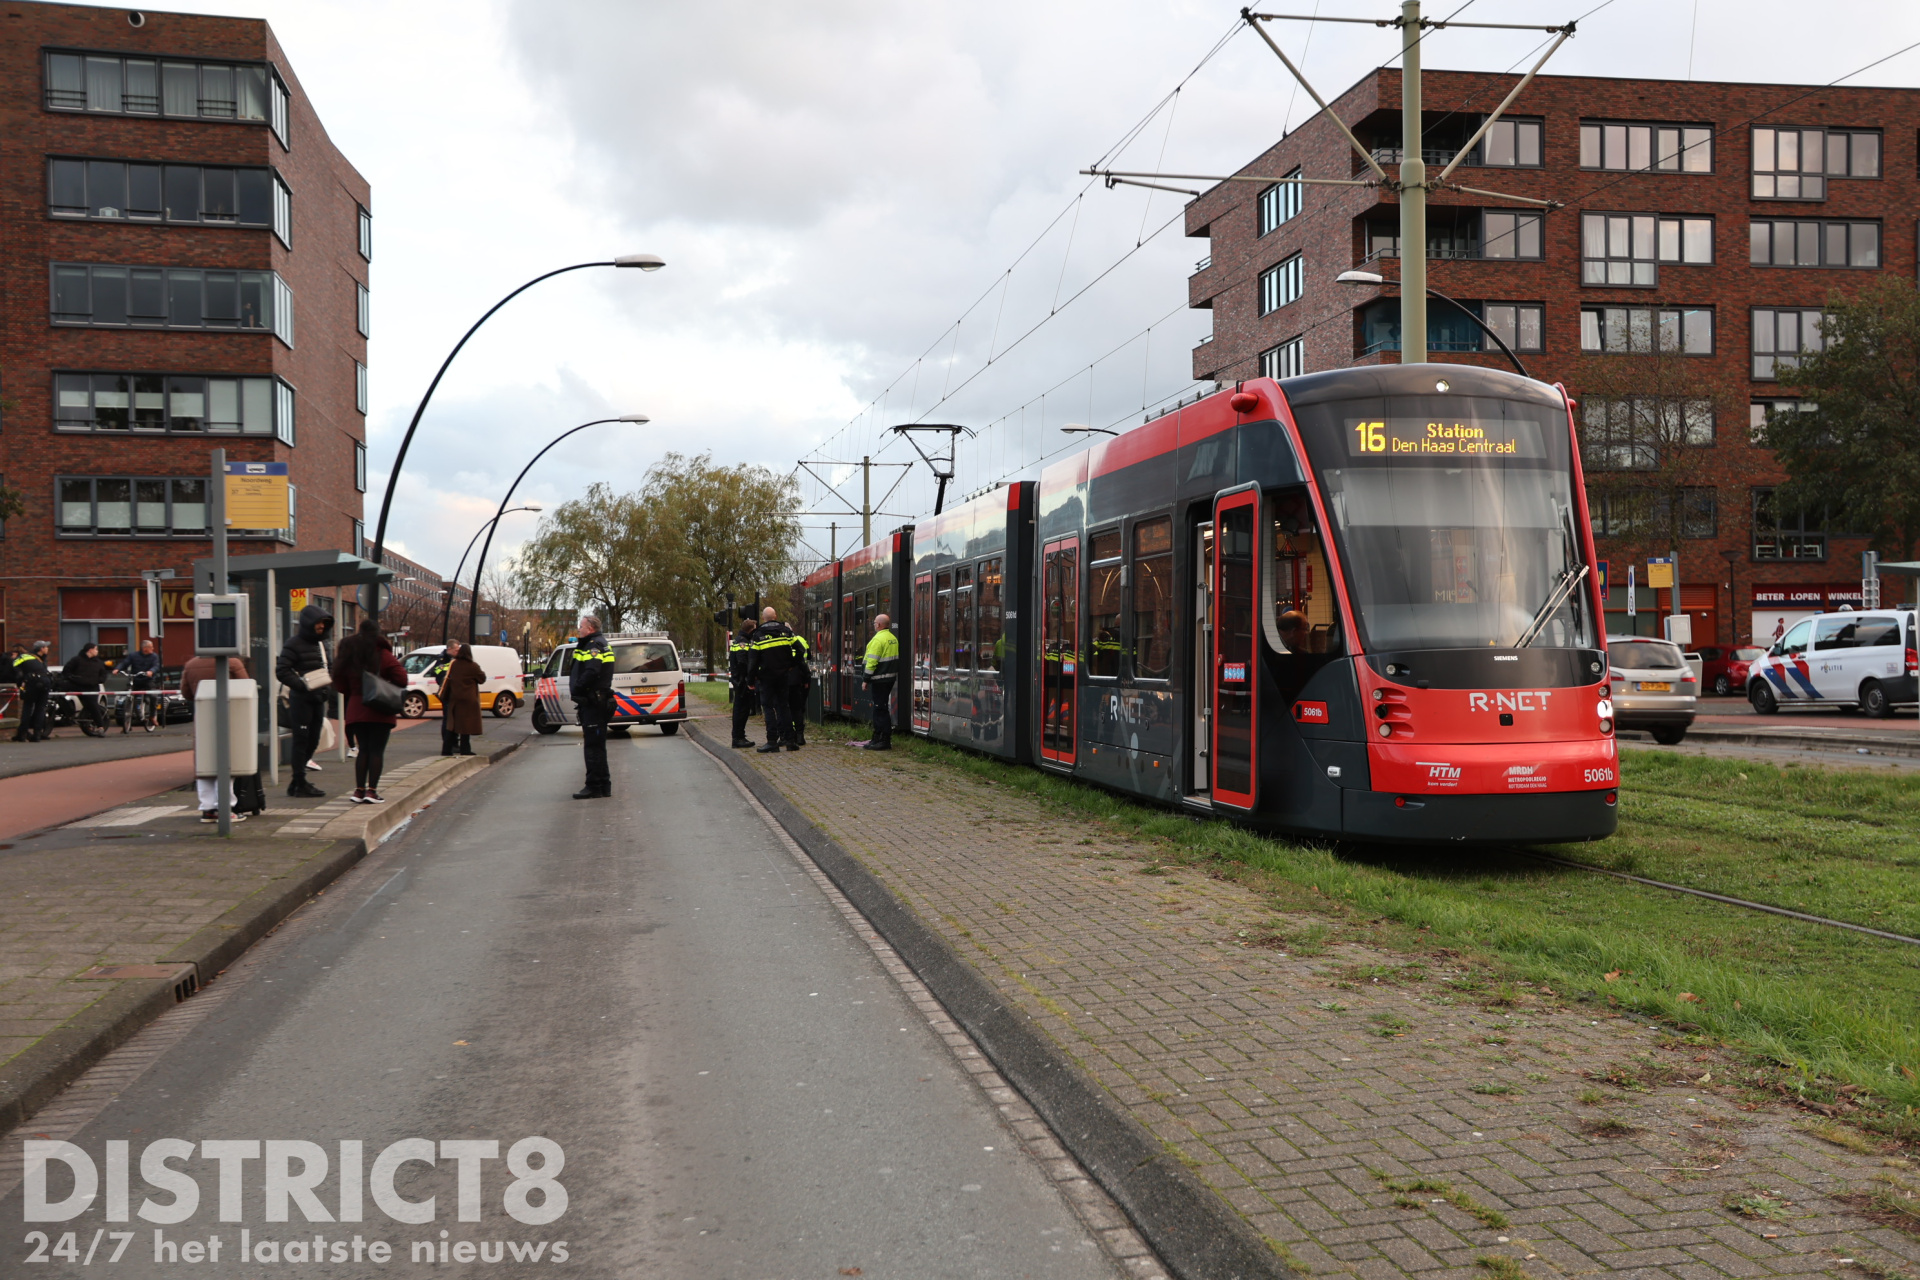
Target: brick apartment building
{"points": [[183, 266], [1711, 220]]}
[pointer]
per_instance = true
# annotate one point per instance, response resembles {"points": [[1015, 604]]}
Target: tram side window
{"points": [[849, 638], [943, 620], [1304, 616], [1153, 599], [1104, 575], [963, 619], [990, 654], [883, 603]]}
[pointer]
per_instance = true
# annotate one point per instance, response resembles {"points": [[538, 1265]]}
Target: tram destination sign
{"points": [[1444, 438]]}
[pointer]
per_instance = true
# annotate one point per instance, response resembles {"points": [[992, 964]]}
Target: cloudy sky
{"points": [[834, 185]]}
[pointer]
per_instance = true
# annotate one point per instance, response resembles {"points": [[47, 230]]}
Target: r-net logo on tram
{"points": [[1520, 700]]}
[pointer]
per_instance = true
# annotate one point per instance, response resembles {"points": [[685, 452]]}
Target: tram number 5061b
{"points": [[1373, 436]]}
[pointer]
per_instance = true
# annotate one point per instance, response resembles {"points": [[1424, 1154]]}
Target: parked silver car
{"points": [[1653, 687]]}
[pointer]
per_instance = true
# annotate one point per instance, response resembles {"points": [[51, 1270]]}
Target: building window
{"points": [[115, 190], [172, 298], [1510, 235], [360, 547], [1521, 325], [1630, 433], [1510, 143], [106, 85], [1280, 284], [1278, 203], [157, 403], [1619, 249], [1687, 330], [140, 507], [1791, 535], [359, 467], [1761, 410], [1853, 153], [1661, 148], [1780, 335], [1807, 243], [1288, 360], [359, 386], [1794, 164], [363, 310], [366, 234]]}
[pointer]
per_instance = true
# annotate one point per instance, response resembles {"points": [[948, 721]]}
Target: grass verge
{"points": [[1827, 1018]]}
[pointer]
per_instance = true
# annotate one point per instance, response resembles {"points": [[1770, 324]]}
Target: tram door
{"points": [[1059, 648], [1200, 733], [852, 657], [920, 706], [1236, 523]]}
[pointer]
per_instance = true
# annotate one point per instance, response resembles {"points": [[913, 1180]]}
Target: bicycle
{"points": [[141, 707]]}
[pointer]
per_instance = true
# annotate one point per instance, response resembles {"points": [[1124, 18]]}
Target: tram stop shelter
{"points": [[1901, 569], [278, 587]]}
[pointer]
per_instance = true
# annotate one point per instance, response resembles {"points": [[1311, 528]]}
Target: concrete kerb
{"points": [[1887, 743], [35, 1076], [1196, 1232]]}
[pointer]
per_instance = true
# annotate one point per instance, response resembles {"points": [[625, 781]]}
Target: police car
{"points": [[1864, 659], [648, 685]]}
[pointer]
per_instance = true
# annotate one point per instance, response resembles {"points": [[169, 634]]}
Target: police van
{"points": [[648, 685], [1866, 659]]}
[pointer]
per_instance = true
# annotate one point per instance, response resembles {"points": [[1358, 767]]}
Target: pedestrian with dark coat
{"points": [[83, 674], [590, 683], [775, 654], [36, 682], [367, 652], [739, 656], [299, 658], [459, 694]]}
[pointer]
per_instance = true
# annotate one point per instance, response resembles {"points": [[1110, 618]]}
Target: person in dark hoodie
{"points": [[83, 674], [305, 653]]}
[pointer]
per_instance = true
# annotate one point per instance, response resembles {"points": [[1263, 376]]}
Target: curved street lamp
{"points": [[644, 261], [446, 616], [1374, 277], [473, 608]]}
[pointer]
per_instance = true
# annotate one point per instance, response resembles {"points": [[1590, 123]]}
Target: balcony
{"points": [[1203, 264], [1428, 155], [1433, 344]]}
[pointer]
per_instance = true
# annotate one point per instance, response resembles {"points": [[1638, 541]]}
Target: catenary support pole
{"points": [[222, 721], [1413, 195], [866, 501]]}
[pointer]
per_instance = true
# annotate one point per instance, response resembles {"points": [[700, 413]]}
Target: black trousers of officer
{"points": [[593, 744], [742, 710], [33, 716], [797, 712], [773, 701], [882, 694]]}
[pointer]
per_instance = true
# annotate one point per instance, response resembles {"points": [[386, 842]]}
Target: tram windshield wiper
{"points": [[1557, 597]]}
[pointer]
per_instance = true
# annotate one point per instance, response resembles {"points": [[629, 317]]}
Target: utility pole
{"points": [[866, 501], [1413, 194]]}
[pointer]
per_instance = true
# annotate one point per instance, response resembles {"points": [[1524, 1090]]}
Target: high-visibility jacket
{"points": [[776, 655], [739, 654], [590, 680], [30, 671], [883, 655]]}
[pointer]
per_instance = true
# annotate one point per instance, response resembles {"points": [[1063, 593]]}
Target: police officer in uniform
{"points": [[882, 669], [35, 681], [590, 683], [739, 655], [800, 680], [770, 667]]}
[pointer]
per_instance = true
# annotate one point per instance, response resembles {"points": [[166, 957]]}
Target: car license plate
{"points": [[1656, 686]]}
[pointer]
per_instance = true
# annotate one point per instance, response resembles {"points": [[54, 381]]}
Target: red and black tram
{"points": [[1355, 604]]}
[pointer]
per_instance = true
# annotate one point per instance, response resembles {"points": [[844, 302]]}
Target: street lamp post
{"points": [[1374, 277], [446, 616], [644, 261], [473, 610]]}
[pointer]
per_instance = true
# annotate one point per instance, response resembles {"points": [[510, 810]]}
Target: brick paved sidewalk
{"points": [[148, 883], [1298, 1087]]}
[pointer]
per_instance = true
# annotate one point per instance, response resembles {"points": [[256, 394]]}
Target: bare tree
{"points": [[1646, 421]]}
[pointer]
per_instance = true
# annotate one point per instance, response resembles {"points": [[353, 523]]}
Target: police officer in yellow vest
{"points": [[590, 682], [772, 667], [35, 681], [739, 655], [882, 669]]}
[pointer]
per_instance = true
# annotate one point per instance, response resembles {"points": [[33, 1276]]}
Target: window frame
{"points": [[359, 467], [364, 227], [363, 309], [989, 569], [1659, 313], [1131, 613], [1823, 228], [1273, 284], [1520, 217], [1277, 205], [1655, 154], [1518, 343], [276, 106], [1803, 533], [1768, 406], [359, 387], [281, 396], [133, 533], [1285, 359], [1478, 157], [280, 197], [276, 298], [1115, 563], [1773, 350]]}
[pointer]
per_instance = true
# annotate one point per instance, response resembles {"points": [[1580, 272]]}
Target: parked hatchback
{"points": [[1653, 687]]}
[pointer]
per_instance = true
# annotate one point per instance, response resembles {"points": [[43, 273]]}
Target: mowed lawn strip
{"points": [[1830, 1014]]}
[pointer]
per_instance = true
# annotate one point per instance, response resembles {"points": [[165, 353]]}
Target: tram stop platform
{"points": [[1283, 1095]]}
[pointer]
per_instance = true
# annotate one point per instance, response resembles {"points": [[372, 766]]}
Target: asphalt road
{"points": [[651, 983]]}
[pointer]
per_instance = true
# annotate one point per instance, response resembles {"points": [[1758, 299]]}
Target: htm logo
{"points": [[1441, 771]]}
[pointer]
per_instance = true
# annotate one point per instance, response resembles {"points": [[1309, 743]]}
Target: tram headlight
{"points": [[1386, 731], [1606, 708]]}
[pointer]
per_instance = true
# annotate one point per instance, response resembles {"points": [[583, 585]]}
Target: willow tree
{"points": [[733, 526], [603, 551]]}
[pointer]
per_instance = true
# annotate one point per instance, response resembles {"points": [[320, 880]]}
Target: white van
{"points": [[1866, 659], [501, 694], [648, 685]]}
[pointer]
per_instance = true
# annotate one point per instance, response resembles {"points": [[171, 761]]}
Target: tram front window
{"points": [[1456, 524]]}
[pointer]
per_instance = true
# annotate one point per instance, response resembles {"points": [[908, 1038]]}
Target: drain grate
{"points": [[184, 977]]}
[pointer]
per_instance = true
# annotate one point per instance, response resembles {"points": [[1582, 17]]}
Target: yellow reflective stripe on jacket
{"points": [[25, 658], [593, 655], [884, 647]]}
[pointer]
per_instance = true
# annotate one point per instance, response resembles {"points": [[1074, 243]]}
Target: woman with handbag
{"points": [[459, 694], [374, 682]]}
